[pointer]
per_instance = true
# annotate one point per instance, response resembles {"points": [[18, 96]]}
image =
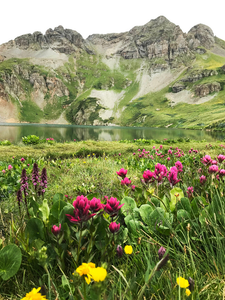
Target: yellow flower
{"points": [[182, 282], [98, 274], [188, 292], [88, 278], [128, 249], [84, 269], [34, 295]]}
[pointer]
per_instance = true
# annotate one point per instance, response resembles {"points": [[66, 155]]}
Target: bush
{"points": [[5, 143], [31, 140]]}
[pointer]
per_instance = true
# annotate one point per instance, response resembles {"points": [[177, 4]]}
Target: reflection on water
{"points": [[15, 132]]}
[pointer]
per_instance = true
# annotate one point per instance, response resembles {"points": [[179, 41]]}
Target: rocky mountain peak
{"points": [[201, 35]]}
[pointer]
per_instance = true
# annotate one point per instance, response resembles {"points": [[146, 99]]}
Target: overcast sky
{"points": [[87, 17]]}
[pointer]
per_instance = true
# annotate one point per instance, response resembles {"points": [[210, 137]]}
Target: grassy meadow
{"points": [[137, 219]]}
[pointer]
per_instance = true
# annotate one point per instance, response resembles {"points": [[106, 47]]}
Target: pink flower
{"points": [[213, 169], [122, 173], [161, 252], [153, 147], [125, 181], [179, 166], [148, 176], [81, 210], [66, 196], [220, 158], [134, 153], [172, 177], [170, 152], [74, 140], [96, 205], [189, 151], [190, 191], [133, 187], [113, 227], [168, 158], [206, 160], [3, 171], [22, 159], [214, 162], [10, 167], [56, 230], [160, 172], [119, 154], [202, 179], [112, 207], [222, 172], [160, 147]]}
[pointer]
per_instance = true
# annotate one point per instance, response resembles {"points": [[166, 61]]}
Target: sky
{"points": [[101, 16]]}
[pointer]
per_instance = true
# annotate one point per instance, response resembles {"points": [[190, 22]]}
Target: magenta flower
{"points": [[112, 207], [170, 152], [119, 251], [172, 177], [206, 160], [96, 205], [126, 181], [81, 210], [202, 179], [222, 172], [214, 162], [190, 191], [179, 166], [10, 167], [161, 252], [213, 169], [220, 157], [122, 173], [160, 172], [148, 176], [133, 187], [56, 230], [113, 227], [3, 171], [22, 159], [168, 158]]}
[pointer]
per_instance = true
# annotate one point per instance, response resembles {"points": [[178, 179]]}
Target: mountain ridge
{"points": [[130, 78]]}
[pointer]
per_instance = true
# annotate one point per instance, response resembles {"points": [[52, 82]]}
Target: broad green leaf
{"points": [[58, 197], [57, 208], [184, 203], [68, 209], [145, 211], [183, 215], [174, 199], [45, 210], [34, 229], [10, 261], [129, 205]]}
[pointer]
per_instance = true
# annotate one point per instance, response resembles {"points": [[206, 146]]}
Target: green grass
{"points": [[209, 60]]}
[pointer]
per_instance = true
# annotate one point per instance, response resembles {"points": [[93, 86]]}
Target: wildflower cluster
{"points": [[93, 273]]}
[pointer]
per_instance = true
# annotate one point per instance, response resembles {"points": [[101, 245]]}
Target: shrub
{"points": [[31, 140]]}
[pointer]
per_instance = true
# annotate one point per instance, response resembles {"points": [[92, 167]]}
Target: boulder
{"points": [[205, 89]]}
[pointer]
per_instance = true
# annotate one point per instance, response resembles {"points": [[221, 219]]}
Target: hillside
{"points": [[154, 75]]}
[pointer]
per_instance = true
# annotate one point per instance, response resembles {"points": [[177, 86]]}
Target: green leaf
{"points": [[34, 229], [68, 209], [175, 199], [129, 205], [145, 210], [45, 210], [183, 215], [58, 197], [10, 261], [184, 203], [57, 208]]}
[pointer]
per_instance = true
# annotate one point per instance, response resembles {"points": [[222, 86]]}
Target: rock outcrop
{"points": [[205, 89], [200, 35]]}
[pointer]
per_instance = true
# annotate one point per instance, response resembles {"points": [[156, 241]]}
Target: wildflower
{"points": [[190, 191], [66, 196], [213, 169], [96, 205], [24, 182], [222, 172], [125, 181], [214, 162], [56, 230], [122, 173], [170, 152], [84, 269], [81, 210], [161, 252], [3, 171], [206, 160], [22, 159], [168, 158], [133, 187], [148, 176], [160, 172], [98, 274], [188, 292], [112, 207], [220, 158], [202, 179], [119, 251], [134, 153], [172, 177], [179, 166], [160, 147], [43, 181], [34, 295], [182, 282], [10, 167], [35, 175], [113, 227], [128, 249], [119, 154]]}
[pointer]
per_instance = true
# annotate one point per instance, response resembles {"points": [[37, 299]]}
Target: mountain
{"points": [[153, 75]]}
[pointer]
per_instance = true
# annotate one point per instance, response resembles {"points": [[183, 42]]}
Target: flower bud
{"points": [[119, 251]]}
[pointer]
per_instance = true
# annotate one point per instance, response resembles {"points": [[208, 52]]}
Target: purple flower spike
{"points": [[161, 252], [119, 251], [126, 181], [96, 205], [122, 173]]}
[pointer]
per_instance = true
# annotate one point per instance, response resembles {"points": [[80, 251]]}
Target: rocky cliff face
{"points": [[107, 78]]}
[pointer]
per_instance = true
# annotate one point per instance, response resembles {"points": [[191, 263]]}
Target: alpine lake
{"points": [[62, 133]]}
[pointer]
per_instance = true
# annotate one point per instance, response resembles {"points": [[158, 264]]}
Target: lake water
{"points": [[15, 132]]}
